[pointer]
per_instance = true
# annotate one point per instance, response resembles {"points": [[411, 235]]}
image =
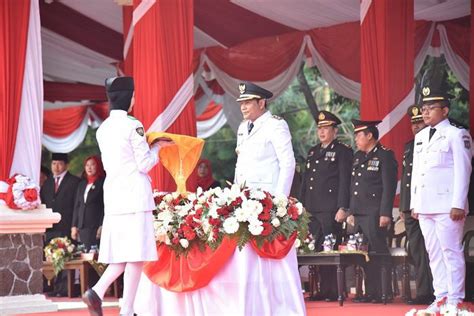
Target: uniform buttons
{"points": [[357, 183], [422, 174], [408, 184], [373, 194], [422, 185], [314, 170], [408, 174], [311, 179], [362, 165], [310, 188], [411, 164], [355, 192], [317, 161], [353, 173], [330, 190], [359, 174]]}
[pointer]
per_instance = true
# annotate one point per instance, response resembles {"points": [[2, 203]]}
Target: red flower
{"points": [[267, 229], [264, 216], [214, 221], [175, 240], [236, 202], [223, 211], [158, 199], [293, 212], [31, 195]]}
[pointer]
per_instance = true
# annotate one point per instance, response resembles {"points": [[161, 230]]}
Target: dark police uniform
{"points": [[324, 190], [373, 187], [416, 242]]}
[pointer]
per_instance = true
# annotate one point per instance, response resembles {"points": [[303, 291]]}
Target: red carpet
{"points": [[313, 309]]}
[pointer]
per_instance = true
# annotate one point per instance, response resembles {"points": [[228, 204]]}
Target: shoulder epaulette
{"points": [[132, 117], [277, 117]]}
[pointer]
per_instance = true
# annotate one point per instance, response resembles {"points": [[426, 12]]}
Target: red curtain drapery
{"points": [[190, 272], [62, 122], [162, 62], [258, 60], [62, 91], [211, 110], [14, 20], [276, 249], [387, 66]]}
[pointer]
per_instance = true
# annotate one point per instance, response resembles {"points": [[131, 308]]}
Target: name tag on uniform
{"points": [[467, 142]]}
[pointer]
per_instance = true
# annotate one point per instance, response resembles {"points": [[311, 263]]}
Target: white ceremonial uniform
{"points": [[127, 231], [265, 157], [440, 181]]}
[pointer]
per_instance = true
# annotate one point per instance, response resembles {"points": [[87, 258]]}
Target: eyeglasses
{"points": [[429, 108]]}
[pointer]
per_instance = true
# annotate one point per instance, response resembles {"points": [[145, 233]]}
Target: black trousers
{"points": [[419, 256], [88, 237], [377, 240], [321, 225]]}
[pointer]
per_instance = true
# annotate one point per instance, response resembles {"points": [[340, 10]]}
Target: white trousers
{"points": [[443, 240]]}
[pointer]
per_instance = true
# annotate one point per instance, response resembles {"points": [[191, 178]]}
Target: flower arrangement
{"points": [[22, 193], [461, 309], [305, 245], [206, 217], [58, 251]]}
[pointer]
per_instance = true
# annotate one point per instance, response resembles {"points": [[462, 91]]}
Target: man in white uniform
{"points": [[265, 160], [439, 187], [265, 157], [127, 233]]}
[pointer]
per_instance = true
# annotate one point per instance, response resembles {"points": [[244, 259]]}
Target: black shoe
{"points": [[330, 298], [421, 300], [363, 299], [317, 297], [93, 302]]}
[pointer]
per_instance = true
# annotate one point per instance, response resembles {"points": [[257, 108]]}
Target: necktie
{"points": [[56, 184], [250, 127], [432, 131]]}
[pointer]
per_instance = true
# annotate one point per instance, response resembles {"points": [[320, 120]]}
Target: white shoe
{"points": [[435, 307], [449, 309]]}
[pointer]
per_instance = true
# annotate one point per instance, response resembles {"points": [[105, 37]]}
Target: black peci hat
{"points": [[60, 157], [119, 92]]}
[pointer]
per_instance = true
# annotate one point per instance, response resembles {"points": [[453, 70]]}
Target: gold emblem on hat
{"points": [[426, 91], [321, 116], [414, 110], [242, 88]]}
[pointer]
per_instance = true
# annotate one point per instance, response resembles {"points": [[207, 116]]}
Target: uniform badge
{"points": [[242, 88], [330, 155], [373, 165], [277, 117], [414, 111], [321, 116], [467, 142], [140, 131], [426, 91]]}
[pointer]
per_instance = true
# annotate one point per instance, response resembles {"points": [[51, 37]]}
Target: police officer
{"points": [[373, 186], [416, 242], [127, 238], [325, 191], [265, 160], [265, 157], [439, 188]]}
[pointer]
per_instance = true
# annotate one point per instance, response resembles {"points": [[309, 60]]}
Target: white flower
{"points": [[191, 197], [281, 211], [202, 199], [311, 246], [165, 216], [275, 222], [252, 207], [175, 195], [255, 227], [183, 210], [231, 225], [280, 200], [184, 243], [241, 215], [70, 248], [168, 198], [297, 243], [257, 194], [299, 206], [199, 191], [213, 211]]}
